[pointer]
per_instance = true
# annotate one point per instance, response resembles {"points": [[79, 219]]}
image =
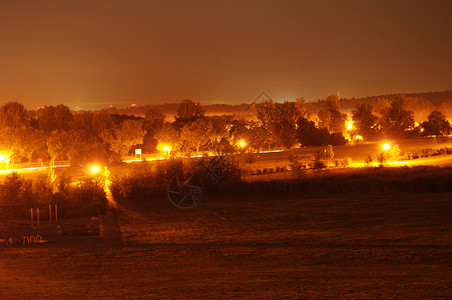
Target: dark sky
{"points": [[146, 52]]}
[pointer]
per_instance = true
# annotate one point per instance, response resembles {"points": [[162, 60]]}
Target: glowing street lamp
{"points": [[350, 125], [167, 150], [385, 146], [6, 159], [95, 169], [242, 143]]}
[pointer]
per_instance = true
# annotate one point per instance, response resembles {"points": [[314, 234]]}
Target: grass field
{"points": [[365, 246]]}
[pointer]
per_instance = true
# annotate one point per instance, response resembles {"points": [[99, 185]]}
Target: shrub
{"points": [[395, 153], [381, 159], [346, 161], [329, 154], [317, 163], [427, 152], [86, 197]]}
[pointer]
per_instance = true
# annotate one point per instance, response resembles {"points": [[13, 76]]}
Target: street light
{"points": [[95, 169], [167, 150], [385, 146], [242, 143]]}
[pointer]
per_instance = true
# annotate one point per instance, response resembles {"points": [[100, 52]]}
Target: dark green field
{"points": [[365, 246]]}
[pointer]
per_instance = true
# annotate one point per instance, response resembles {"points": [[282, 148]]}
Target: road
{"points": [[357, 153]]}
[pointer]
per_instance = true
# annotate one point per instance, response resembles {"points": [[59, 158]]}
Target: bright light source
{"points": [[358, 137], [95, 169], [386, 146], [242, 143], [350, 125], [2, 157], [166, 148]]}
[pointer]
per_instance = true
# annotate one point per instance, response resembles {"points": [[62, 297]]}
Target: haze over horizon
{"points": [[152, 52]]}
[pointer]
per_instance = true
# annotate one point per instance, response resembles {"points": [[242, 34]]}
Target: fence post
{"points": [[50, 213], [56, 212], [37, 215], [31, 216]]}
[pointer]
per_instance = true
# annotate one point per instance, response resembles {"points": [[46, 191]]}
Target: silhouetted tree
{"points": [[152, 123], [437, 124], [396, 119], [188, 111], [365, 122], [52, 118], [330, 117], [14, 115], [310, 135], [221, 126]]}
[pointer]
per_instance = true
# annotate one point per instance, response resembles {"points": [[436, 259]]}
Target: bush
{"points": [[381, 159], [395, 153], [317, 163], [85, 197], [346, 161]]}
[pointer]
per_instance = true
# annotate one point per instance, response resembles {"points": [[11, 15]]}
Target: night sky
{"points": [[149, 52]]}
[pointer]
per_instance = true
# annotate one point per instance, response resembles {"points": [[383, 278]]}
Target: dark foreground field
{"points": [[395, 246]]}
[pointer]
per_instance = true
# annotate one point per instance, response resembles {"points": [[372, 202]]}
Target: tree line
{"points": [[56, 133]]}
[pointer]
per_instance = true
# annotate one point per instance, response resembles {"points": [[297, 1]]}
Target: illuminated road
{"points": [[29, 169], [357, 153]]}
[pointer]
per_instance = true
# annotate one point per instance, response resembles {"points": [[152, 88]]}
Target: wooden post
{"points": [[50, 213], [37, 215], [31, 215], [56, 212]]}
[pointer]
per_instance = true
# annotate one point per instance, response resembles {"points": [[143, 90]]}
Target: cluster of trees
{"points": [[18, 194], [393, 119], [55, 133]]}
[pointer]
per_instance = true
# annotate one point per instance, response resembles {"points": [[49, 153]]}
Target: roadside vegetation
{"points": [[55, 133], [79, 198]]}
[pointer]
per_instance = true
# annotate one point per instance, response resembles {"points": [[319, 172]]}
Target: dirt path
{"points": [[110, 230]]}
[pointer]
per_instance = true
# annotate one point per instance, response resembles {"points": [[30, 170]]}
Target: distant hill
{"points": [[437, 99]]}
